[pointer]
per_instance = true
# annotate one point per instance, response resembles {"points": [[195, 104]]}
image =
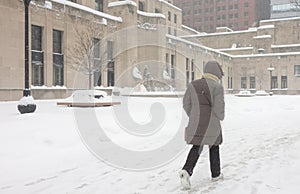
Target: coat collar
{"points": [[210, 76]]}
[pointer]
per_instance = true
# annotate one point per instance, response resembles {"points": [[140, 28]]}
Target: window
{"points": [[229, 77], [111, 73], [193, 70], [141, 6], [175, 32], [229, 82], [252, 82], [158, 11], [110, 65], [169, 30], [97, 63], [99, 5], [274, 82], [74, 1], [246, 15], [243, 82], [246, 4], [169, 15], [187, 70], [109, 50], [37, 56], [297, 70], [283, 7], [246, 23], [283, 82], [58, 59], [173, 66], [175, 18], [167, 62]]}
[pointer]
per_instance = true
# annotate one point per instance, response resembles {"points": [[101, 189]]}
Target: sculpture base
{"points": [[30, 108]]}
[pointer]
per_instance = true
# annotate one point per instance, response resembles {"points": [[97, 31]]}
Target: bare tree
{"points": [[87, 47], [295, 4]]}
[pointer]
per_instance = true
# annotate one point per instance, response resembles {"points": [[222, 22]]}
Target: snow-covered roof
{"points": [[148, 14], [266, 55], [284, 46], [230, 55], [280, 19], [169, 4], [118, 3], [191, 29], [235, 49], [196, 45], [262, 36], [87, 9], [224, 27], [266, 27], [220, 33]]}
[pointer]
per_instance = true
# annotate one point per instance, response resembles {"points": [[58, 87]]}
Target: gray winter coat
{"points": [[204, 104]]}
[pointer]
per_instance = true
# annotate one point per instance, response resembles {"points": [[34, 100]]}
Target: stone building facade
{"points": [[136, 41], [128, 35], [275, 43]]}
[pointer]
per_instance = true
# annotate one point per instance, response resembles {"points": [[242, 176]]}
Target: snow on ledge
{"points": [[266, 27], [87, 9], [190, 29], [171, 5], [266, 55], [49, 88], [220, 33], [262, 36], [280, 19], [147, 14], [235, 49], [284, 46], [224, 28], [119, 3]]}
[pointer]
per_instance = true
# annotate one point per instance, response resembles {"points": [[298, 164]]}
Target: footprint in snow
{"points": [[81, 186]]}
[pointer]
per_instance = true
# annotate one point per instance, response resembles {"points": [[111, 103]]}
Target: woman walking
{"points": [[204, 104]]}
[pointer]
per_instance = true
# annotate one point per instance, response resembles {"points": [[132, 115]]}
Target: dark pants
{"points": [[214, 158]]}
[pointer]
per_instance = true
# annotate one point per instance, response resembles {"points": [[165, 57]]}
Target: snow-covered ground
{"points": [[43, 152]]}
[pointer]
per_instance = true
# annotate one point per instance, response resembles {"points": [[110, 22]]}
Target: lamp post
{"points": [[271, 69], [26, 104]]}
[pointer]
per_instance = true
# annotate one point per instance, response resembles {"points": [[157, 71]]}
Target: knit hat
{"points": [[213, 67]]}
